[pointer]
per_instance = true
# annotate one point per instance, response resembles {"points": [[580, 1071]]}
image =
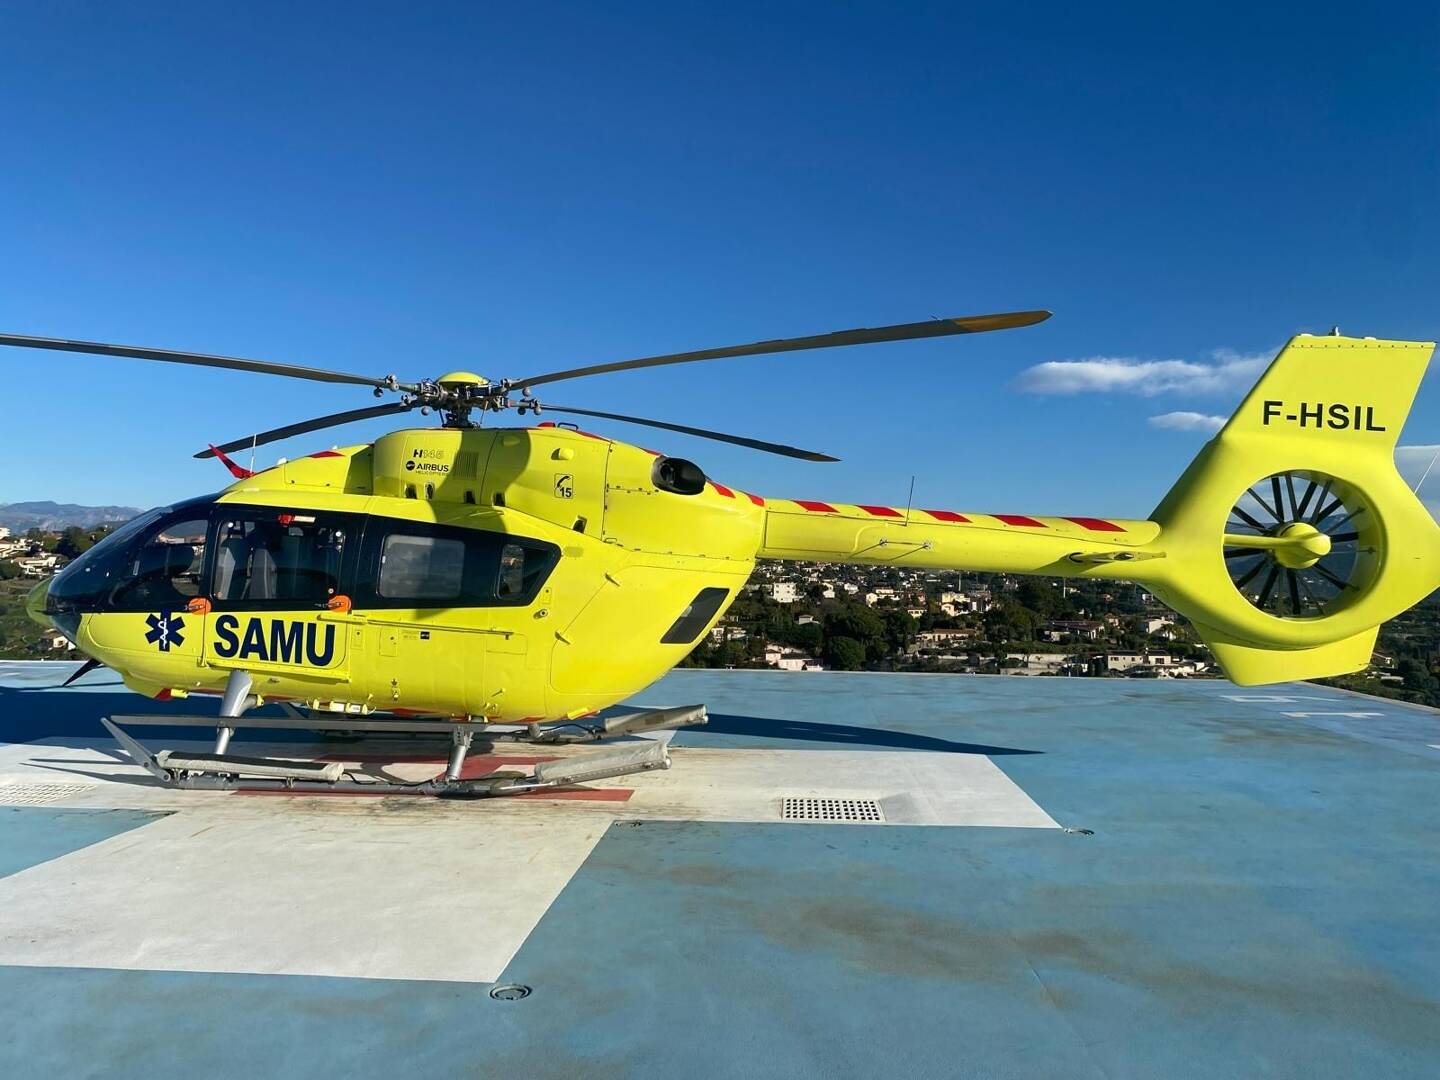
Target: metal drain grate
{"points": [[810, 808], [38, 794]]}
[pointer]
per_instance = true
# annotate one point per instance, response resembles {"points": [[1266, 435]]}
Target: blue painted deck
{"points": [[1260, 897]]}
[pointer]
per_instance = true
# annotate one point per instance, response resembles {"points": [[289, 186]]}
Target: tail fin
{"points": [[1292, 536]]}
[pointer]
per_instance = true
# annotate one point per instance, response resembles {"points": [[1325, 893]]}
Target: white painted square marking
{"points": [[374, 894], [402, 888]]}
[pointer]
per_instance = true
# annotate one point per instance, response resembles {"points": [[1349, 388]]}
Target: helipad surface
{"points": [[1260, 894]]}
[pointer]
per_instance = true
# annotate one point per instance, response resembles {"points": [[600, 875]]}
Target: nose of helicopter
{"points": [[35, 603]]}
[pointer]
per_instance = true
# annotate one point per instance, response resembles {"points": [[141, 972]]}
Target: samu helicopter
{"points": [[527, 576]]}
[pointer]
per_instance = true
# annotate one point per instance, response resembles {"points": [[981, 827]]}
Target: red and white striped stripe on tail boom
{"points": [[920, 536]]}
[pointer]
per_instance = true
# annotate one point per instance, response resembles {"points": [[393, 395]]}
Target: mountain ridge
{"points": [[45, 514]]}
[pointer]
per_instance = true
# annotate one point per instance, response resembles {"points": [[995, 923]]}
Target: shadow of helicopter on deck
{"points": [[769, 727], [36, 712]]}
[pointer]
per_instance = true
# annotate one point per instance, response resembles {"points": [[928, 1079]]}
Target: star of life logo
{"points": [[165, 630]]}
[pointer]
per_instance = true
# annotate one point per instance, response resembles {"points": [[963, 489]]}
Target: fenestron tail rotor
{"points": [[1299, 544], [458, 395]]}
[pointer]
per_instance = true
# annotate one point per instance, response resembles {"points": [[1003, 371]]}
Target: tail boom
{"points": [[947, 539], [1287, 542]]}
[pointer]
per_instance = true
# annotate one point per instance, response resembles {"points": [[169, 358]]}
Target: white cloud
{"points": [[1188, 421], [1225, 372]]}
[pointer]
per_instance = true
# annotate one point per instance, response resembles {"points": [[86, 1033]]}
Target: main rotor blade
{"points": [[969, 324], [394, 408], [171, 356], [738, 440]]}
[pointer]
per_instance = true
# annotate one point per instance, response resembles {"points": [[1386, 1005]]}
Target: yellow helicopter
{"points": [[465, 576]]}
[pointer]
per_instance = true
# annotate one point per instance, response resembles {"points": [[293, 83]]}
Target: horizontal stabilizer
{"points": [[1253, 665]]}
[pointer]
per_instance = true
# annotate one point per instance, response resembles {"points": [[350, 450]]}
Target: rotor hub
{"points": [[1306, 545], [454, 380]]}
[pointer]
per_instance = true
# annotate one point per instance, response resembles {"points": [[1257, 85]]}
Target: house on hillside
{"points": [[777, 656], [38, 566], [1124, 663], [55, 641]]}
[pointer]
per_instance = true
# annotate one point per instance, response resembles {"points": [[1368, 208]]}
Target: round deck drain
{"points": [[510, 992]]}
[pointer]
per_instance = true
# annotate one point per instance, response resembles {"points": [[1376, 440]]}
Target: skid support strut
{"points": [[232, 706], [460, 741]]}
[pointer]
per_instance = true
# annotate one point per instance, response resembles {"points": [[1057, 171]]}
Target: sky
{"points": [[513, 189]]}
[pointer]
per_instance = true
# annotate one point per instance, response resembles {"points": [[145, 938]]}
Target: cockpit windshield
{"points": [[153, 561]]}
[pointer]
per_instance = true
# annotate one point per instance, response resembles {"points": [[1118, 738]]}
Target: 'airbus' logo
{"points": [[165, 630]]}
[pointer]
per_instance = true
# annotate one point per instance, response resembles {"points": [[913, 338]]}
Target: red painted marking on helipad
{"points": [[484, 763], [608, 794], [477, 766], [568, 794]]}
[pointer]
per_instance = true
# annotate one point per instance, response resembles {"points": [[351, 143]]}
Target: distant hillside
{"points": [[18, 517]]}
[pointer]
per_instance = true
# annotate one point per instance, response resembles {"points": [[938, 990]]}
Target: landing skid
{"points": [[221, 771]]}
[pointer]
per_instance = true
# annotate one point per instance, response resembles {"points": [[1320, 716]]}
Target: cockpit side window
{"points": [[273, 559], [409, 564]]}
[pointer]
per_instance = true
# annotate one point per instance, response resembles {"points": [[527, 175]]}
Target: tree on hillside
{"points": [[858, 622], [844, 653], [1041, 597], [1010, 621], [1416, 675], [900, 629], [72, 542], [8, 570]]}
